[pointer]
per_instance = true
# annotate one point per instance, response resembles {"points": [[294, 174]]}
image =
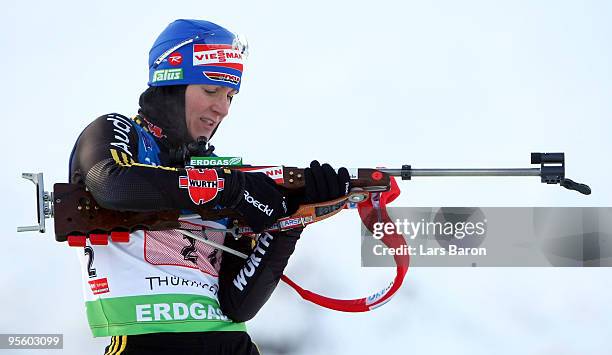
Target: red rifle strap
{"points": [[371, 211]]}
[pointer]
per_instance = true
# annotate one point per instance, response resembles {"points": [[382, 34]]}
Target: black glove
{"points": [[324, 184], [254, 196]]}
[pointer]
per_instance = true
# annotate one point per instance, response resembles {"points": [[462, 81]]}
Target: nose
{"points": [[221, 106]]}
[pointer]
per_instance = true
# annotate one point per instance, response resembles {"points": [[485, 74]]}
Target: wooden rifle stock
{"points": [[76, 212]]}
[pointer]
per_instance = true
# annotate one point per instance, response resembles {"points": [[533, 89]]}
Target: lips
{"points": [[208, 121]]}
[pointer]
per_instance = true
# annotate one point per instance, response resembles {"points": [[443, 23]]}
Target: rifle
{"points": [[78, 217]]}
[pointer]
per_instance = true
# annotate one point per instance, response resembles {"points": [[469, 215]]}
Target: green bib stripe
{"points": [[157, 313]]}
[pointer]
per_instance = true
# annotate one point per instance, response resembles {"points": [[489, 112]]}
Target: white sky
{"points": [[360, 84]]}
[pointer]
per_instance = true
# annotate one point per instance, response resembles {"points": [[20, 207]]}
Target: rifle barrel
{"points": [[463, 172]]}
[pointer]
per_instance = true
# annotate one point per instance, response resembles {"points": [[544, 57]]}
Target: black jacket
{"points": [[105, 160]]}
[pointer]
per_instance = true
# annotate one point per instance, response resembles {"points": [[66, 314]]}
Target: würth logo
{"points": [[202, 184]]}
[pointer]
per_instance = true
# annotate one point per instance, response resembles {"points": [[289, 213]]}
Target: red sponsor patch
{"points": [[99, 286], [220, 55], [202, 184], [228, 78], [274, 172], [175, 59], [156, 131]]}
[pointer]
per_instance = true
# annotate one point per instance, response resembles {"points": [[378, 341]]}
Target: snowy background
{"points": [[360, 84]]}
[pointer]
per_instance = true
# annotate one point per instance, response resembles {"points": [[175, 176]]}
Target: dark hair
{"points": [[164, 106]]}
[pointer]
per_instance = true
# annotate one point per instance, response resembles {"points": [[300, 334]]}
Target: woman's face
{"points": [[205, 107]]}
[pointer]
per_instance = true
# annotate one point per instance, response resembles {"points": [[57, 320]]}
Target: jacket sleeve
{"points": [[246, 285], [105, 160]]}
